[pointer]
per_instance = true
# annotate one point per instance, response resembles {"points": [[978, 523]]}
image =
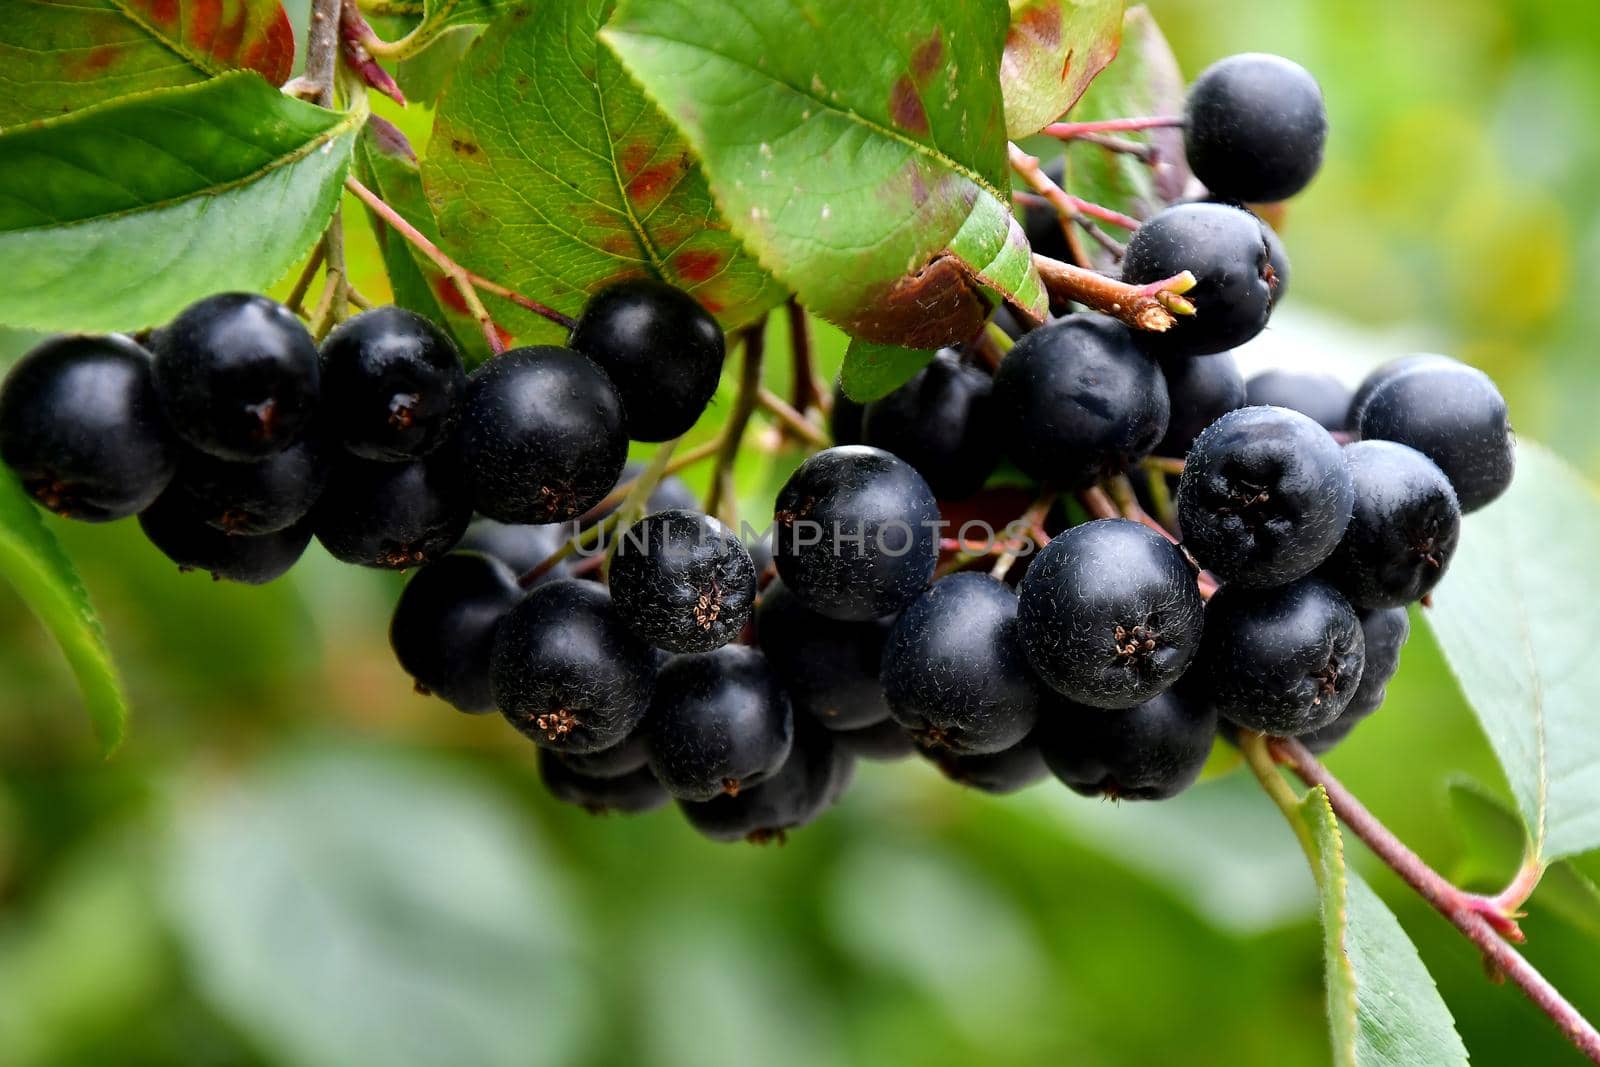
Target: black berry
{"points": [[718, 723], [1007, 771], [393, 383], [660, 348], [1149, 752], [1200, 390], [1454, 415], [81, 426], [883, 741], [1383, 373], [522, 548], [625, 757], [954, 672], [682, 581], [855, 533], [829, 667], [1226, 250], [444, 624], [1078, 400], [814, 775], [941, 422], [1283, 661], [1254, 127], [1385, 632], [1403, 529], [1265, 496], [259, 497], [238, 376], [1322, 397], [393, 515], [542, 436], [184, 537], [626, 794], [567, 673], [1109, 614], [844, 420]]}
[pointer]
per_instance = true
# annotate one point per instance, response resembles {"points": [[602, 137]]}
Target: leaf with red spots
{"points": [[58, 56], [858, 149], [1054, 49], [551, 172]]}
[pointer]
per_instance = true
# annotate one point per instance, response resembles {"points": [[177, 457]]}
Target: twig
{"points": [[1068, 205], [583, 539], [721, 493], [1478, 917], [633, 504], [807, 390], [681, 460], [322, 61], [791, 418], [297, 296], [1097, 503], [1139, 306], [1164, 464], [1161, 498], [1069, 130], [1127, 501], [1145, 152]]}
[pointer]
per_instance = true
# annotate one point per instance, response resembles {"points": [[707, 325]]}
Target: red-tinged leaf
{"points": [[1054, 49]]}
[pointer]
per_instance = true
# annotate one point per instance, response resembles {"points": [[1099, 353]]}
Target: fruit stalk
{"points": [[720, 495], [1138, 306], [1073, 207], [791, 418], [1069, 130], [322, 61], [807, 391]]}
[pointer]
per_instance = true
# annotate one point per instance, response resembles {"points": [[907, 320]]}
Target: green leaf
{"points": [[589, 185], [1383, 1008], [226, 186], [385, 163], [58, 56], [866, 169], [422, 77], [873, 370], [357, 908], [1054, 49], [32, 563], [439, 14], [1516, 618]]}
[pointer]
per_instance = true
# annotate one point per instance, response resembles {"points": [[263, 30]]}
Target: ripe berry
{"points": [[1265, 496], [627, 794], [1149, 752], [845, 419], [660, 348], [814, 775], [566, 672], [1201, 389], [625, 757], [393, 515], [855, 533], [942, 423], [828, 667], [395, 383], [1403, 529], [1385, 632], [1078, 401], [237, 375], [522, 548], [1226, 250], [883, 741], [953, 669], [542, 437], [1007, 771], [1283, 661], [718, 723], [1109, 614], [1381, 374], [80, 424], [184, 537], [1254, 127], [444, 624], [682, 581], [1322, 397], [261, 497], [1454, 415]]}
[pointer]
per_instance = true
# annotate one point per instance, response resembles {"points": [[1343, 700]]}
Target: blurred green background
{"points": [[294, 861]]}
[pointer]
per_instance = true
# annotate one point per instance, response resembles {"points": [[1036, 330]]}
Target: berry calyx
{"points": [[395, 381]]}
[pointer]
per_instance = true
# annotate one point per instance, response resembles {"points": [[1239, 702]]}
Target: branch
{"points": [[633, 504], [721, 493], [807, 391], [322, 51], [1069, 130], [1152, 307], [1071, 206], [1478, 917], [791, 418]]}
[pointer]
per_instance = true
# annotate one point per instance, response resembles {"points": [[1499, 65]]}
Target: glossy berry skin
{"points": [[882, 742], [81, 426], [1200, 390], [567, 673], [522, 548], [1322, 397], [828, 667], [392, 515], [394, 384], [624, 757], [542, 436], [1383, 373], [855, 533], [661, 349], [633, 793], [942, 422], [238, 376], [1403, 529], [1226, 250], [1385, 631], [844, 421], [815, 773], [184, 537], [1078, 400], [719, 723], [443, 627], [1254, 127], [1283, 661], [954, 673], [1153, 751], [1265, 497], [998, 773], [1109, 614], [262, 497], [1277, 252], [682, 581], [1454, 415]]}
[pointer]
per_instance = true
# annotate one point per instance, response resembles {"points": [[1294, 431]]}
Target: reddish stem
{"points": [[354, 31], [1068, 130]]}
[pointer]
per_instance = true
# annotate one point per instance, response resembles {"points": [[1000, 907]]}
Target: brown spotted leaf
{"points": [[58, 56], [551, 172], [858, 149], [1054, 49]]}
